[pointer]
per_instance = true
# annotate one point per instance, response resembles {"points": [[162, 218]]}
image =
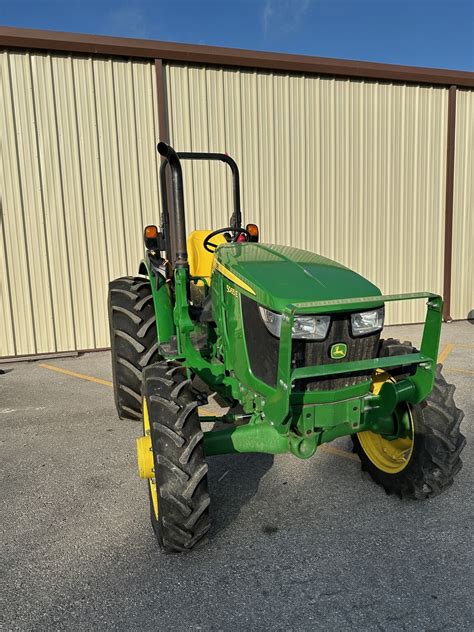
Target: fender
{"points": [[160, 290]]}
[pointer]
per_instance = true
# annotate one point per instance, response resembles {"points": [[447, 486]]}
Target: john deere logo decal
{"points": [[338, 351]]}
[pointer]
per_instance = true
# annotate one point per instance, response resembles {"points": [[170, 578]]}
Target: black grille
{"points": [[316, 352], [262, 349]]}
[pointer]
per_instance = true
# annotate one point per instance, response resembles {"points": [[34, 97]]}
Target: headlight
{"points": [[306, 327], [272, 321], [367, 322], [311, 327]]}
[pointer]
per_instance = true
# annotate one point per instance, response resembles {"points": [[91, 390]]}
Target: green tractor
{"points": [[290, 341]]}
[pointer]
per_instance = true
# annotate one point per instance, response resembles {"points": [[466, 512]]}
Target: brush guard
{"points": [[300, 422], [425, 360]]}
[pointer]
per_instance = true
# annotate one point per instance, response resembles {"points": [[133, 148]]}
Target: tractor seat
{"points": [[200, 261]]}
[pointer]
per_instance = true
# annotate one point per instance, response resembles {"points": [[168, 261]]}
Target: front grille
{"points": [[263, 348], [317, 352]]}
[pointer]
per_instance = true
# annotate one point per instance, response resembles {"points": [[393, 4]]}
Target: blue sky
{"points": [[437, 33]]}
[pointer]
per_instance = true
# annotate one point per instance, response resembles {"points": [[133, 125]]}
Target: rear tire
{"points": [[133, 341], [181, 521], [434, 460]]}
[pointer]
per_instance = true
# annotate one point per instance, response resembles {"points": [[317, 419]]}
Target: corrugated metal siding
{"points": [[352, 170], [78, 182], [462, 303]]}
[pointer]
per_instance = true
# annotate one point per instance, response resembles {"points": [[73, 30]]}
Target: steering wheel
{"points": [[236, 232]]}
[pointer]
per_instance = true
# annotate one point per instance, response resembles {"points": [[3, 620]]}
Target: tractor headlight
{"points": [[272, 321], [304, 327], [367, 322], [311, 327]]}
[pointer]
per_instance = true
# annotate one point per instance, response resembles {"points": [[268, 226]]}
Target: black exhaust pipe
{"points": [[179, 254]]}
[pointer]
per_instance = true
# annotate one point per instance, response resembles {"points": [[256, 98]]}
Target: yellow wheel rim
{"points": [[151, 481], [389, 456]]}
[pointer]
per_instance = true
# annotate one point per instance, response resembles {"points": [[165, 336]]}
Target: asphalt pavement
{"points": [[295, 545]]}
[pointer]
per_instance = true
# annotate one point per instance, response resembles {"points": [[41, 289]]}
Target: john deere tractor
{"points": [[290, 341]]}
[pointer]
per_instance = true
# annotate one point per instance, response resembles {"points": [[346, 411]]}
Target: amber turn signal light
{"points": [[150, 237], [151, 232], [252, 230]]}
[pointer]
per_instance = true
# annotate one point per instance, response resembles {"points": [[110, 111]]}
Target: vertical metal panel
{"points": [[462, 303], [24, 220], [353, 170], [78, 181]]}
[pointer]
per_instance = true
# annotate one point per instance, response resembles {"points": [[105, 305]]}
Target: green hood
{"points": [[280, 275]]}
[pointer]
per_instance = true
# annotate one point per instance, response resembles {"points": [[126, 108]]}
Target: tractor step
{"points": [[170, 348]]}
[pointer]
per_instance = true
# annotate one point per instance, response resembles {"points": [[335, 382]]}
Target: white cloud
{"points": [[129, 20], [283, 16]]}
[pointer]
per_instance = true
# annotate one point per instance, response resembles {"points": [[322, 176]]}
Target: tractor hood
{"points": [[279, 275]]}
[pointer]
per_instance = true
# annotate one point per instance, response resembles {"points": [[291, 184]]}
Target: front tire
{"points": [[427, 466], [180, 510]]}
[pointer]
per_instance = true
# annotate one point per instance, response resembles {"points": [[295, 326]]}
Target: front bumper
{"points": [[300, 422], [277, 407]]}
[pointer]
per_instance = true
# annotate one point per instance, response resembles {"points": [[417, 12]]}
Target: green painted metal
{"points": [[379, 410], [358, 365], [313, 425], [281, 276], [252, 437], [291, 282], [327, 397], [356, 304], [165, 327]]}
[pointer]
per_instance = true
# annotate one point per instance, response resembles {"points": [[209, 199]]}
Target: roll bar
{"points": [[176, 246]]}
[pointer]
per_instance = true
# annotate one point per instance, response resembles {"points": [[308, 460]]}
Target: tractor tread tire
{"points": [[438, 441], [180, 466], [133, 341], [392, 346], [389, 347]]}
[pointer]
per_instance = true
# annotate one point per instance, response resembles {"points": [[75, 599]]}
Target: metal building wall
{"points": [[463, 216], [78, 182], [354, 170], [350, 168]]}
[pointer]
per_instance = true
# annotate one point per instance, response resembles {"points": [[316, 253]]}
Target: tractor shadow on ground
{"points": [[233, 482]]}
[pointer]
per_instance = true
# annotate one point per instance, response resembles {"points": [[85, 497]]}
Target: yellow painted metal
{"points": [[144, 457], [144, 451], [233, 277], [200, 260], [389, 456], [462, 286], [353, 170], [78, 182]]}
